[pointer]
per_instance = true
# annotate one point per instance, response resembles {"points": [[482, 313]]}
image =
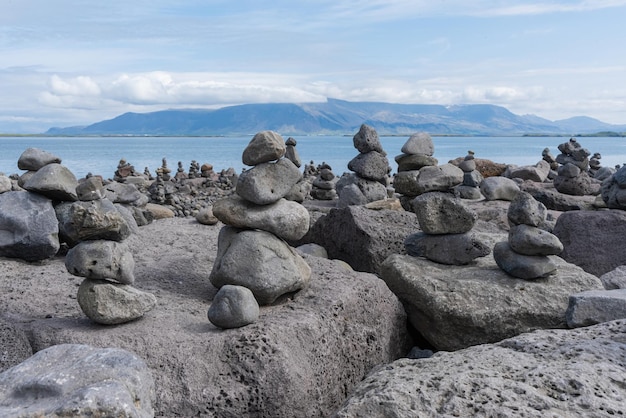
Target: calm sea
{"points": [[101, 155]]}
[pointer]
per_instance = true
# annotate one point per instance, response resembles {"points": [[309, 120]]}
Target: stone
{"points": [[5, 184], [53, 181], [499, 188], [456, 249], [568, 170], [71, 380], [555, 200], [441, 213], [557, 373], [455, 307], [614, 279], [285, 219], [525, 210], [100, 259], [439, 178], [613, 190], [530, 240], [90, 188], [233, 307], [595, 306], [405, 182], [367, 140], [313, 249], [578, 186], [266, 183], [124, 193], [291, 153], [371, 165], [472, 178], [264, 147], [160, 211], [259, 261], [205, 216], [408, 162], [109, 303], [32, 159], [354, 190], [538, 172], [419, 143], [14, 346], [487, 168], [28, 227], [468, 192], [522, 266], [593, 240], [469, 166]]}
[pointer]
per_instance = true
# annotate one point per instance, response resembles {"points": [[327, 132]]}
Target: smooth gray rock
{"points": [[264, 147], [615, 279], [405, 182], [123, 193], [354, 190], [90, 188], [556, 373], [265, 183], [568, 170], [100, 259], [499, 188], [111, 303], [408, 162], [313, 249], [14, 345], [472, 178], [259, 261], [538, 172], [530, 240], [32, 159], [595, 306], [325, 184], [525, 210], [454, 307], [419, 143], [442, 213], [439, 178], [72, 380], [28, 226], [522, 266], [468, 192], [468, 165], [292, 154], [285, 219], [205, 216], [367, 140], [456, 249], [233, 307], [371, 165], [53, 181], [5, 184]]}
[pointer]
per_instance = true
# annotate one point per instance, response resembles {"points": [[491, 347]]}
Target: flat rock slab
{"points": [[301, 358], [458, 306]]}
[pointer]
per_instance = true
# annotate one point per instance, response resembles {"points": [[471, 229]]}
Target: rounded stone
{"points": [[233, 307], [265, 146]]}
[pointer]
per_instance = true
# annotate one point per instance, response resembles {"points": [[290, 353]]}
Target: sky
{"points": [[76, 62]]}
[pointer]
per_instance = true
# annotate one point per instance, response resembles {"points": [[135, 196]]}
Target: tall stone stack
{"points": [[470, 188], [323, 187], [527, 253], [252, 249], [370, 177], [572, 176]]}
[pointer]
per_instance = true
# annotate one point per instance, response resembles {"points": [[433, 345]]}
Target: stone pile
{"points": [[446, 235], [291, 153], [613, 190], [572, 176], [252, 249], [527, 253], [370, 177], [323, 187], [470, 188]]}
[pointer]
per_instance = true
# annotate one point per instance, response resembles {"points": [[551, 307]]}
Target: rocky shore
{"points": [[469, 288]]}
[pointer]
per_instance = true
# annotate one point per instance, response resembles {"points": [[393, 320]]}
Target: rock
{"points": [[578, 186], [615, 279], [595, 306], [367, 140], [408, 162], [259, 261], [90, 188], [28, 226], [441, 213], [291, 153], [456, 249], [233, 307], [593, 240], [123, 193], [405, 182], [285, 219], [267, 182], [53, 181], [5, 184], [525, 210], [97, 219], [499, 188], [300, 191], [530, 240], [313, 249], [555, 200], [388, 204], [522, 266], [613, 189], [568, 170], [472, 178], [32, 159], [71, 380], [487, 168], [205, 216], [564, 373], [370, 165], [159, 211], [454, 307], [439, 178], [264, 147], [14, 346], [468, 165], [111, 303], [468, 192], [354, 190], [538, 172], [419, 143], [101, 259]]}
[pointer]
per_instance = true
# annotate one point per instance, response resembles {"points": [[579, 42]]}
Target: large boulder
{"points": [[265, 146], [54, 181], [439, 178], [28, 226], [537, 173], [32, 159], [268, 182], [458, 306], [564, 373], [555, 200]]}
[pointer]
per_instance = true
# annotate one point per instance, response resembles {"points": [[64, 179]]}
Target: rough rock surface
{"points": [[100, 259], [596, 306], [96, 219], [265, 146], [615, 279], [555, 200], [54, 181], [547, 373], [268, 182], [455, 249], [441, 213], [14, 346]]}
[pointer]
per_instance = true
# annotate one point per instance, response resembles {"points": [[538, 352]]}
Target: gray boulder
{"points": [[100, 259], [454, 307], [28, 226], [439, 178], [525, 210], [419, 143], [124, 193], [441, 213], [371, 165], [578, 186], [14, 345], [560, 373], [354, 190], [367, 140], [53, 181], [71, 380], [405, 182], [111, 303], [615, 279], [233, 307], [456, 249], [90, 188], [259, 261], [205, 216], [32, 159], [265, 183], [313, 249], [499, 188], [538, 172], [523, 266], [530, 240], [555, 200], [264, 147], [5, 184], [595, 306], [613, 189], [408, 162], [96, 219]]}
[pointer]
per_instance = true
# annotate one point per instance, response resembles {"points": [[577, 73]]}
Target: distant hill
{"points": [[337, 117]]}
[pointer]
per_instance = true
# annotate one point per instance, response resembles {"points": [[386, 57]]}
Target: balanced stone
{"points": [[530, 240], [568, 170], [101, 259], [97, 219], [90, 188], [265, 146], [367, 140], [32, 159], [526, 210], [233, 307], [472, 178], [439, 178], [499, 188], [522, 266], [354, 190], [54, 181], [453, 249], [291, 153], [440, 213], [371, 165], [419, 143], [407, 162], [405, 182], [265, 183], [595, 306]]}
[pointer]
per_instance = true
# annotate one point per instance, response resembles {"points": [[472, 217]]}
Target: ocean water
{"points": [[101, 155]]}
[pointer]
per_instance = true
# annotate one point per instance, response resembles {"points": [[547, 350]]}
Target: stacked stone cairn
{"points": [[370, 177], [613, 190], [302, 189], [527, 253], [470, 188], [253, 256], [324, 185], [572, 176], [446, 236]]}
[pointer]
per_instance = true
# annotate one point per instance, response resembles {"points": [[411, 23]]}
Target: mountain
{"points": [[337, 117]]}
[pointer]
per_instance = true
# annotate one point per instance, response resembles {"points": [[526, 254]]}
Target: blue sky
{"points": [[76, 62]]}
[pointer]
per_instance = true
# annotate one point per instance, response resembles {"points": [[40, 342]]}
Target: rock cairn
{"points": [[370, 177], [324, 185], [446, 236], [252, 249], [526, 254], [291, 153], [572, 176], [470, 188], [613, 190]]}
